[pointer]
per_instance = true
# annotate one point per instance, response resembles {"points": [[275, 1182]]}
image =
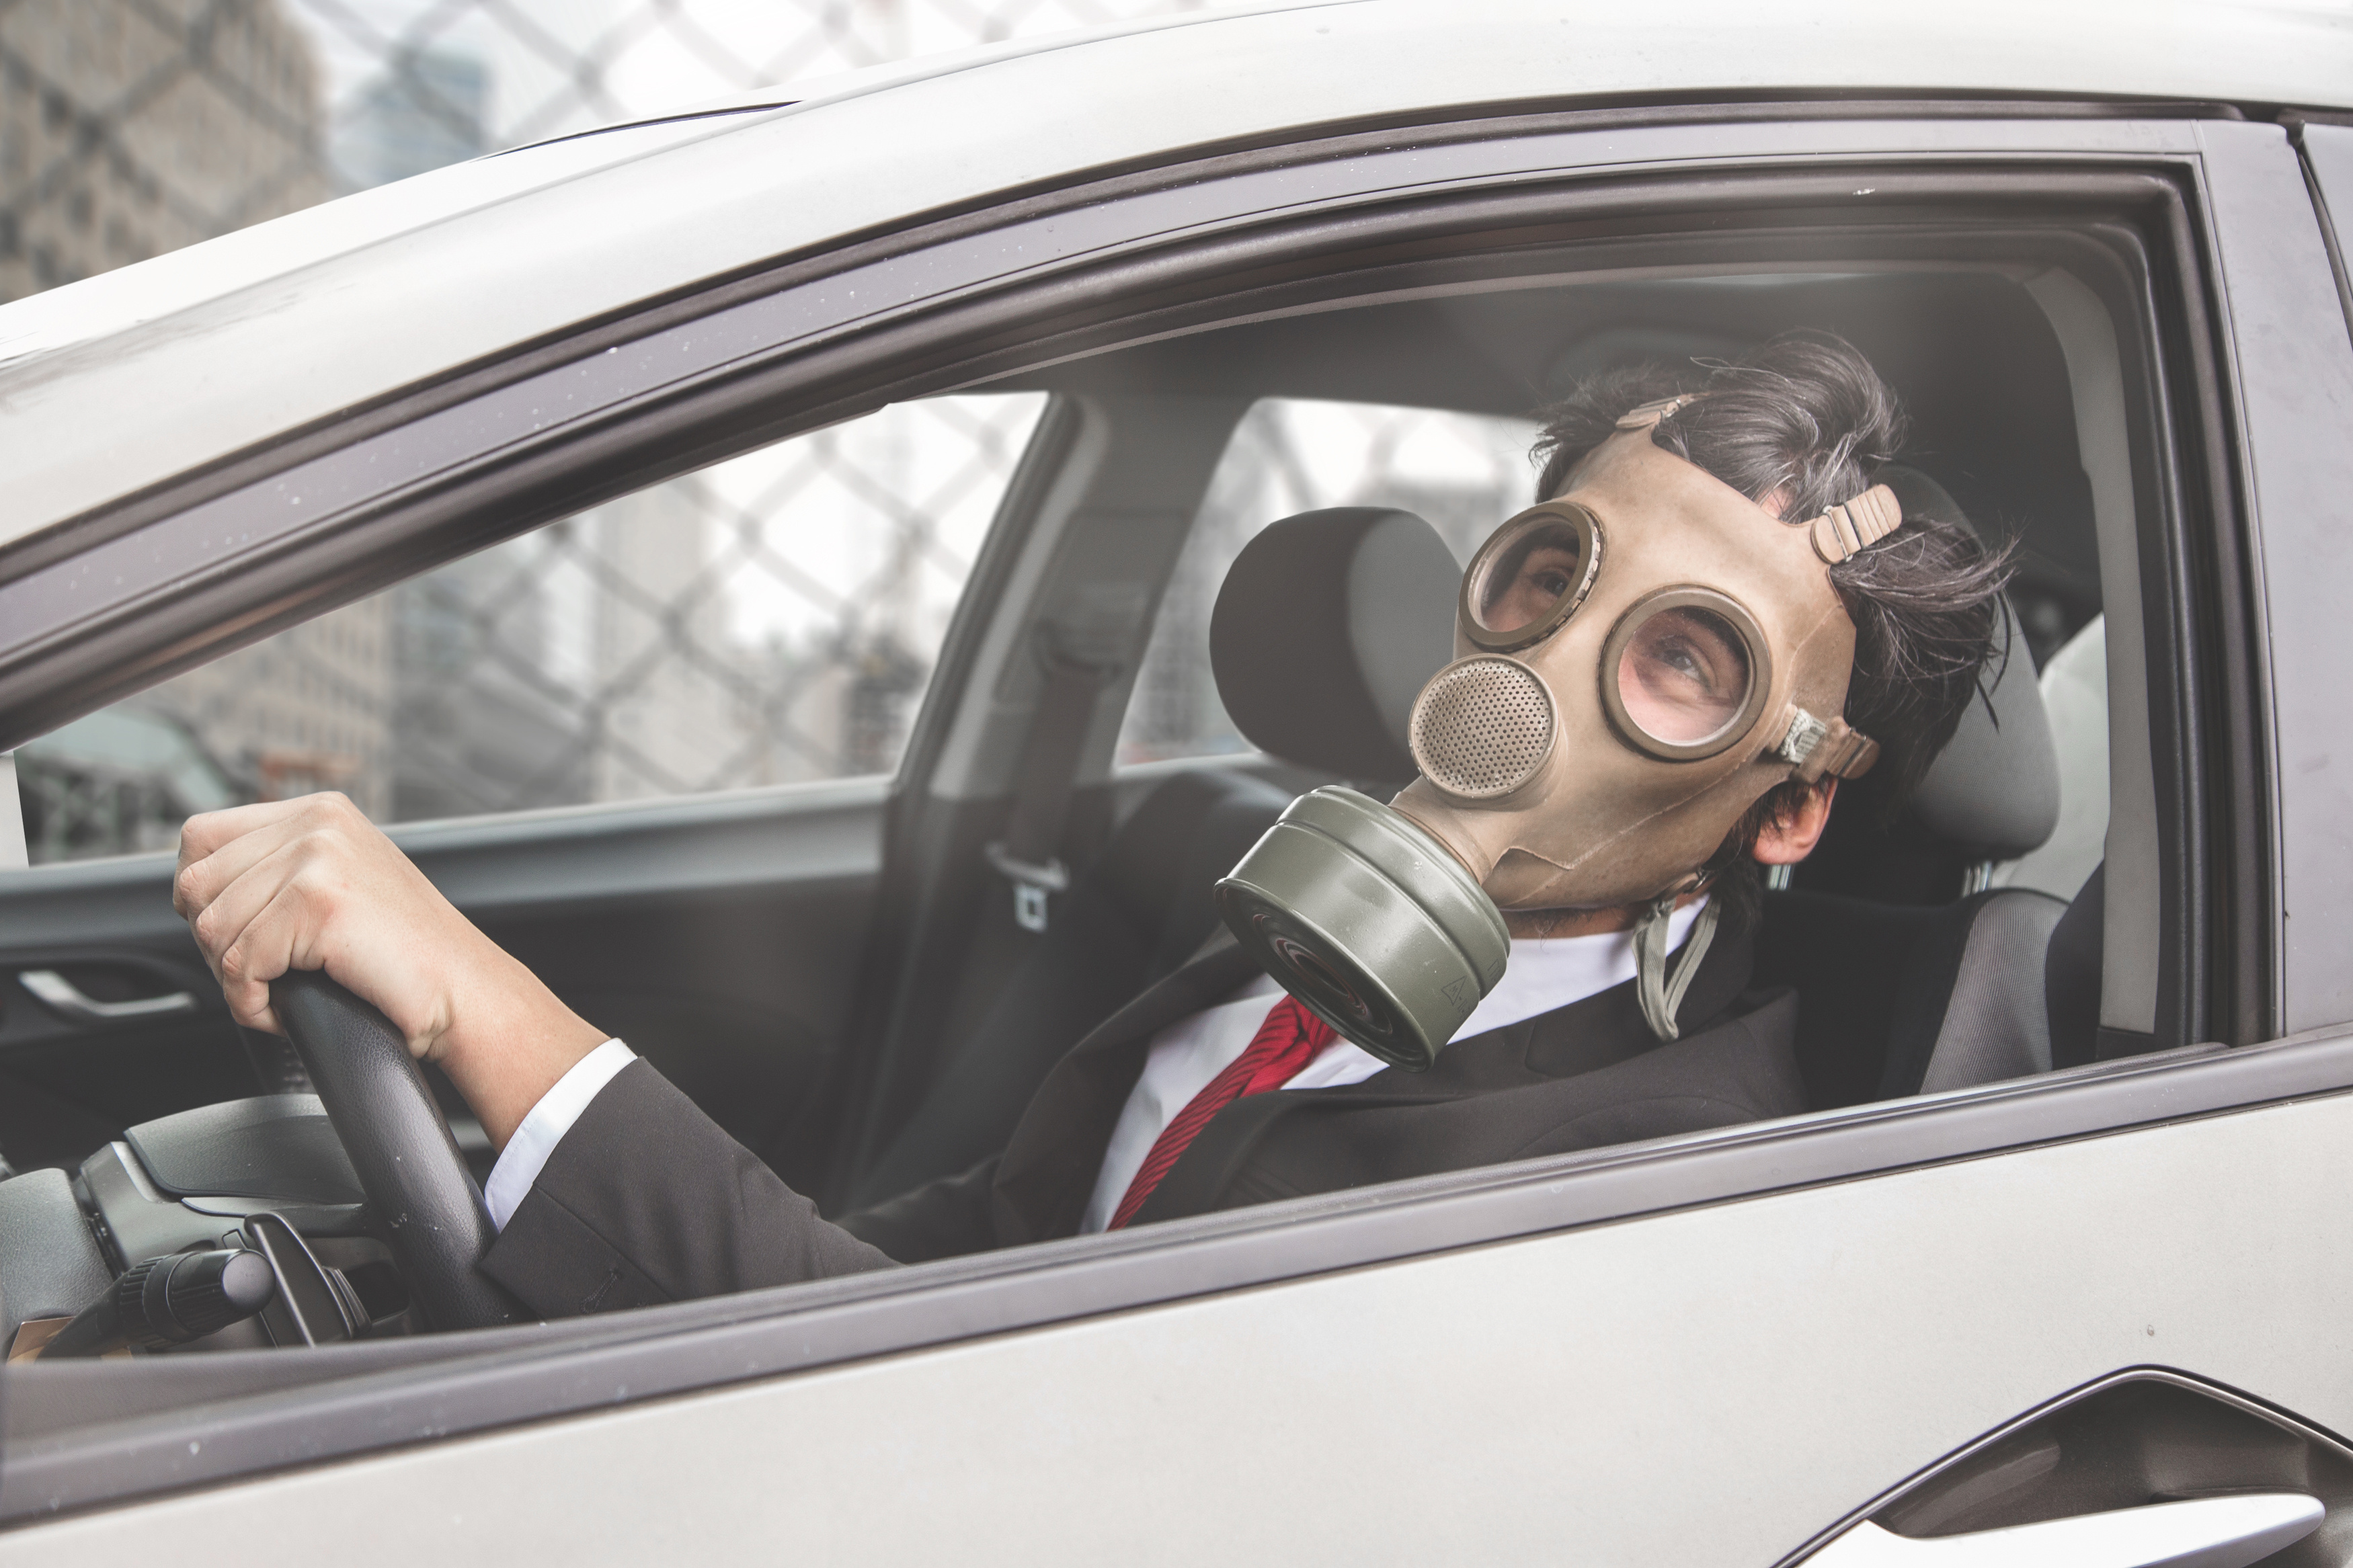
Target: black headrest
{"points": [[1327, 626], [1994, 789]]}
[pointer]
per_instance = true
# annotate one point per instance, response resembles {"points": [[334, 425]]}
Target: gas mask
{"points": [[1637, 663]]}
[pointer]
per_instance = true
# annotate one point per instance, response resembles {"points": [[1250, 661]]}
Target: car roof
{"points": [[122, 380]]}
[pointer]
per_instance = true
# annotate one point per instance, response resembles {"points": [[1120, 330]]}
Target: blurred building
{"points": [[309, 708], [481, 723], [128, 128], [427, 108], [772, 620]]}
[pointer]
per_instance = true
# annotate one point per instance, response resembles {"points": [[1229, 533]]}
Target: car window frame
{"points": [[713, 393], [367, 1396], [2280, 370]]}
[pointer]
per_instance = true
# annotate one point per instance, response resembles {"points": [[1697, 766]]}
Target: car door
{"points": [[1716, 1349]]}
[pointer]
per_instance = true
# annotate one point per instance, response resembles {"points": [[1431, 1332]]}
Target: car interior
{"points": [[1916, 972], [865, 981]]}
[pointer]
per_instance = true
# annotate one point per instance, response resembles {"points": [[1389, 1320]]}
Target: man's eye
{"points": [[1685, 661], [1683, 676], [1552, 584]]}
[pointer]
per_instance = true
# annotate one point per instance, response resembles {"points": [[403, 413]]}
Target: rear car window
{"points": [[1462, 472]]}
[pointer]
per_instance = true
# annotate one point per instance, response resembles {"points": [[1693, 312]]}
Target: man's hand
{"points": [[313, 884]]}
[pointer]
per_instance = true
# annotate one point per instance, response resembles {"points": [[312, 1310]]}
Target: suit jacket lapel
{"points": [[1594, 1032], [1049, 1167]]}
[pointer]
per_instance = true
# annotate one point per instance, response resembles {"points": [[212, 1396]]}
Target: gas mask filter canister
{"points": [[1637, 663]]}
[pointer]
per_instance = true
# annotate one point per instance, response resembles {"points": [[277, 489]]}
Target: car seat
{"points": [[1898, 999], [2072, 972], [1325, 630], [2075, 683]]}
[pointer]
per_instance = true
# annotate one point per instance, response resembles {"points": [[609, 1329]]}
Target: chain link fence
{"points": [[128, 128], [771, 619]]}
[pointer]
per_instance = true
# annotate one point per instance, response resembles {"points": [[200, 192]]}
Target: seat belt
{"points": [[1042, 802]]}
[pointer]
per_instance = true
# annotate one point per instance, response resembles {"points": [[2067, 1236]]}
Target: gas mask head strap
{"points": [[1641, 417], [1856, 525]]}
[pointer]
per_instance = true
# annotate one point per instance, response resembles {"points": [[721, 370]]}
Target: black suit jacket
{"points": [[646, 1200]]}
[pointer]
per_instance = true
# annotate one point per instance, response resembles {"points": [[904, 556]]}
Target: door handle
{"points": [[63, 996], [2203, 1532]]}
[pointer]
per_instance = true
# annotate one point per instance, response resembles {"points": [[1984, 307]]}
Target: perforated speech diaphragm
{"points": [[1482, 728]]}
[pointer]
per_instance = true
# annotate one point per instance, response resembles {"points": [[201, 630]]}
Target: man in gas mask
{"points": [[1665, 668]]}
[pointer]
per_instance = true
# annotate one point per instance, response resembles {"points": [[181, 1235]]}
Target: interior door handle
{"points": [[62, 996], [2204, 1532]]}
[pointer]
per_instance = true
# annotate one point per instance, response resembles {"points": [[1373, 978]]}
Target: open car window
{"points": [[771, 619]]}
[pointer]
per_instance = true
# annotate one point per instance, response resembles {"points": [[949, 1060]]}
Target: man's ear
{"points": [[1786, 839]]}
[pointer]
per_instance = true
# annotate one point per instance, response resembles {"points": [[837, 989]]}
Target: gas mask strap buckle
{"points": [[1643, 415], [1856, 525], [1816, 746], [1660, 992]]}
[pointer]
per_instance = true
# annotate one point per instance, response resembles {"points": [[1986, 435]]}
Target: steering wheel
{"points": [[417, 1185]]}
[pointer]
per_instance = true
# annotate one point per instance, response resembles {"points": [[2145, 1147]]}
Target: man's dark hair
{"points": [[1805, 416]]}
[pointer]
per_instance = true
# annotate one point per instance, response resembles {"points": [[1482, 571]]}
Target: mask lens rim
{"points": [[1516, 528], [1752, 705]]}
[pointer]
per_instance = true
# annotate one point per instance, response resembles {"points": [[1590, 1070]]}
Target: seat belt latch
{"points": [[1031, 884]]}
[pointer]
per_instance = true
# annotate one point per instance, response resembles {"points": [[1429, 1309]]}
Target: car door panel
{"points": [[2090, 1463], [67, 1082], [70, 1080], [1717, 1384], [2329, 154], [712, 932], [244, 1422]]}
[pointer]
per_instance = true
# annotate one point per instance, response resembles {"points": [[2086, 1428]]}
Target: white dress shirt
{"points": [[543, 1128], [1543, 974]]}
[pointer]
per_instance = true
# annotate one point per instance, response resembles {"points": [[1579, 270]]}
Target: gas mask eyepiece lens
{"points": [[1684, 674], [1530, 576]]}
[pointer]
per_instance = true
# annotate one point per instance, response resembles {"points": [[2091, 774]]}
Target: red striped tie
{"points": [[1285, 1043]]}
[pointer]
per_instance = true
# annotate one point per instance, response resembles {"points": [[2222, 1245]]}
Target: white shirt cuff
{"points": [[526, 1153]]}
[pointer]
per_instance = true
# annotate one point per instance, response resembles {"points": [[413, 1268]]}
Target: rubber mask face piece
{"points": [[1708, 628], [1638, 661]]}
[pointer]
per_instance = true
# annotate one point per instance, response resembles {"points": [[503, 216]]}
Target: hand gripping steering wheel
{"points": [[419, 1192]]}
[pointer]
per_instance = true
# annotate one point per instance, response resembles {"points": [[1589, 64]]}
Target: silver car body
{"points": [[1713, 1352]]}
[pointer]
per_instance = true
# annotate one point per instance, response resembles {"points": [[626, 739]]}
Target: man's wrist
{"points": [[545, 1126], [509, 1041]]}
